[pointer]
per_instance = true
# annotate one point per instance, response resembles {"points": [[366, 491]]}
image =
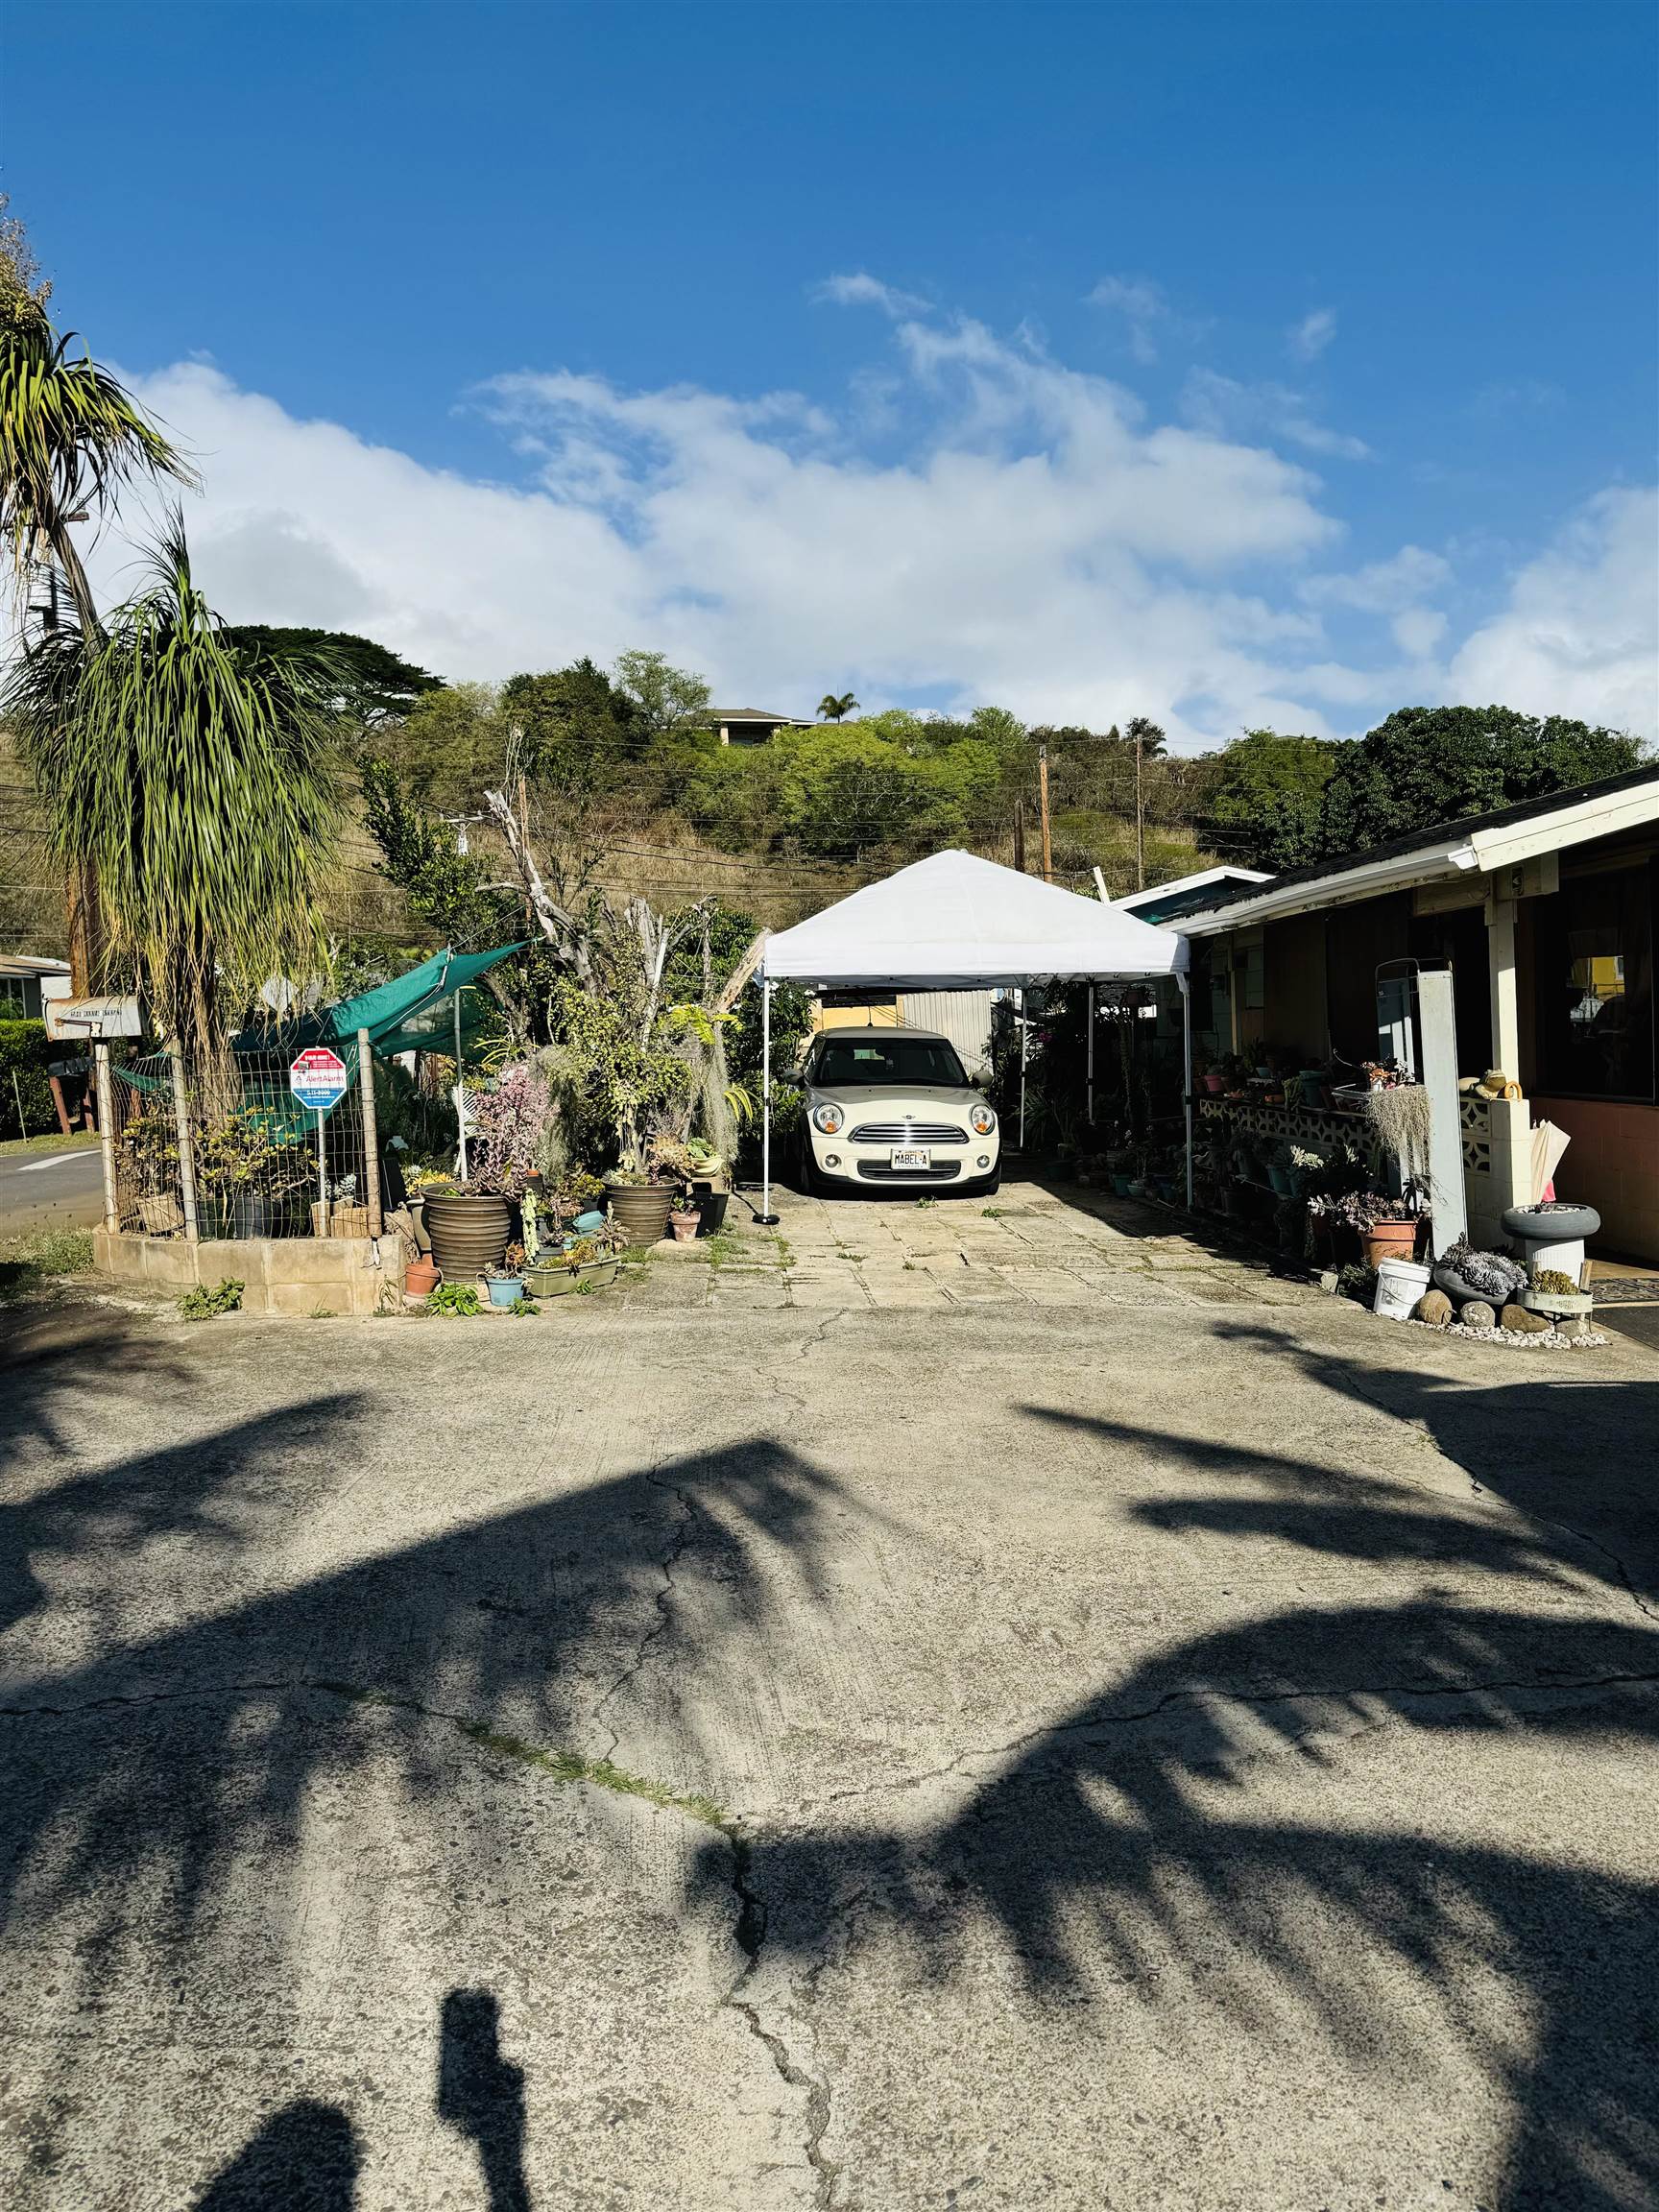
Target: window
{"points": [[843, 1066], [1595, 984], [13, 999]]}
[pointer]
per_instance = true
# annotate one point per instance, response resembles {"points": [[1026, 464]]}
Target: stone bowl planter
{"points": [[1556, 1225], [1462, 1293], [467, 1232]]}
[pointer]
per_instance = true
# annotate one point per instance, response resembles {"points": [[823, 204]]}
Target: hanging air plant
{"points": [[1399, 1116]]}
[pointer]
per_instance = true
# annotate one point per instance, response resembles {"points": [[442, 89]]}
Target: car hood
{"points": [[897, 1101]]}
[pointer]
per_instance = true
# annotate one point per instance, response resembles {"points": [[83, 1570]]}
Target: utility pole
{"points": [[1140, 818], [1020, 835], [1042, 800]]}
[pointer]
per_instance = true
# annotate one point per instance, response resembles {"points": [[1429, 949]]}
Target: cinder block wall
{"points": [[295, 1275]]}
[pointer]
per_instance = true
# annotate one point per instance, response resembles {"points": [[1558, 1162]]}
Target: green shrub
{"points": [[24, 1052]]}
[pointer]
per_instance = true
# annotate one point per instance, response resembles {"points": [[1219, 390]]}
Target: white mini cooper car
{"points": [[893, 1110]]}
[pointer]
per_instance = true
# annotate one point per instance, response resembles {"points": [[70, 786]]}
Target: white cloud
{"points": [[1143, 307], [1038, 541], [1308, 339], [1226, 408], [860, 289], [1383, 587], [1580, 632]]}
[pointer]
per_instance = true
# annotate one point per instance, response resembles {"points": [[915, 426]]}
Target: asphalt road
{"points": [[50, 1191], [1146, 1750]]}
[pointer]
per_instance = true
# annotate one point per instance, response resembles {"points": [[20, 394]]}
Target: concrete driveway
{"points": [[1147, 1741]]}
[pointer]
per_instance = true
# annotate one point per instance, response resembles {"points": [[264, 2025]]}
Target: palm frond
{"points": [[195, 777]]}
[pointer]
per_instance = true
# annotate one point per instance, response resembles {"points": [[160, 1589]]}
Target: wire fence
{"points": [[238, 1153]]}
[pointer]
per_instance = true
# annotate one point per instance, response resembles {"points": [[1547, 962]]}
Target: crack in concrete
{"points": [[1101, 1724], [750, 1936], [664, 1601]]}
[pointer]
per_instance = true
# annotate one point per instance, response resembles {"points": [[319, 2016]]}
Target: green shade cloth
{"points": [[413, 1012]]}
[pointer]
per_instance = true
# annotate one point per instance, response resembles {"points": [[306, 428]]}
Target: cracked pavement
{"points": [[1098, 1745]]}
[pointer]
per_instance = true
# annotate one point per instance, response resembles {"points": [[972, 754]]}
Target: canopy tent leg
{"points": [[766, 1219], [1091, 1055], [1020, 997], [460, 1099], [1187, 1075]]}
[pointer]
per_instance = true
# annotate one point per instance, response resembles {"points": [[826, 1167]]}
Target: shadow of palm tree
{"points": [[303, 2159], [1101, 1845]]}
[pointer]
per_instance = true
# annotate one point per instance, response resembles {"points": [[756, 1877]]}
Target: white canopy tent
{"points": [[957, 923]]}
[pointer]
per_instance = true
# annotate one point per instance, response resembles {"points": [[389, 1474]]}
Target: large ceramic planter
{"points": [[1388, 1240], [640, 1210], [468, 1234], [560, 1282]]}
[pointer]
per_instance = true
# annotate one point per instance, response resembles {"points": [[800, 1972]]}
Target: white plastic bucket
{"points": [[1399, 1284]]}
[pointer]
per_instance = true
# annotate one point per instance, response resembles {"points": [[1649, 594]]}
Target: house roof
{"points": [[1476, 844], [1183, 895], [750, 714], [28, 964]]}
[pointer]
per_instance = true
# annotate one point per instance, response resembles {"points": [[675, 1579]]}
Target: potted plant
{"points": [[248, 1179], [149, 1158], [1554, 1293], [470, 1225], [1387, 1227], [586, 1263], [684, 1220], [420, 1277], [505, 1282]]}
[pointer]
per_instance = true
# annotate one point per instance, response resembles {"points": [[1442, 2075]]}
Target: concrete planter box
{"points": [[280, 1274]]}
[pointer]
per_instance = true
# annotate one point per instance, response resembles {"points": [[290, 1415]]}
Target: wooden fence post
{"points": [[107, 1135], [186, 1149], [370, 1133]]}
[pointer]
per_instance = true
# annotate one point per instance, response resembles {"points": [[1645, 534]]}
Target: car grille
{"points": [[908, 1133], [879, 1171]]}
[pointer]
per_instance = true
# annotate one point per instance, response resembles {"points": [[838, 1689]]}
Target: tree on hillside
{"points": [[1146, 737], [448, 746], [1264, 808], [378, 685], [193, 777], [837, 705], [666, 700], [574, 726], [1430, 764]]}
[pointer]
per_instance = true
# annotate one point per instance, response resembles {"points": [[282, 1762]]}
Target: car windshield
{"points": [[902, 1062]]}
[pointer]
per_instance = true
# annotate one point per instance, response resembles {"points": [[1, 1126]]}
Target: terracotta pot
{"points": [[468, 1234], [685, 1226], [420, 1277], [639, 1210], [1388, 1240]]}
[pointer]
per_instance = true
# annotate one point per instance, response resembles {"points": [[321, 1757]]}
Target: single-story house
{"points": [[1547, 914], [753, 724], [21, 977]]}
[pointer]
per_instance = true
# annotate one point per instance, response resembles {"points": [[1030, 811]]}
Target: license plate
{"points": [[910, 1156]]}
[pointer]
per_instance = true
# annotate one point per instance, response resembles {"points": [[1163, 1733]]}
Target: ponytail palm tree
{"points": [[193, 774], [70, 437]]}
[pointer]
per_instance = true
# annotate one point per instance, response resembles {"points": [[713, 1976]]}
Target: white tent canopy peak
{"points": [[956, 921]]}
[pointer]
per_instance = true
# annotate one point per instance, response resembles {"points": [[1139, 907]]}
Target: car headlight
{"points": [[983, 1119], [828, 1119]]}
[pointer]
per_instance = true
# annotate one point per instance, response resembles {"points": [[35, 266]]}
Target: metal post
{"points": [[106, 1134], [186, 1149], [371, 1129], [766, 1217], [1187, 1074], [322, 1179], [1091, 1055], [460, 1100], [1024, 1033]]}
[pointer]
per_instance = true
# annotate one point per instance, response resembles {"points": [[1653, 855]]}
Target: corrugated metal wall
{"points": [[962, 1015]]}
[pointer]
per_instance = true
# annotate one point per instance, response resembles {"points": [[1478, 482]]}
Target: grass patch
{"points": [[80, 1140], [562, 1765], [28, 1263], [721, 1247], [202, 1303], [992, 1213]]}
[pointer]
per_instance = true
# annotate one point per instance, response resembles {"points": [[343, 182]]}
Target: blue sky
{"points": [[1223, 362]]}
